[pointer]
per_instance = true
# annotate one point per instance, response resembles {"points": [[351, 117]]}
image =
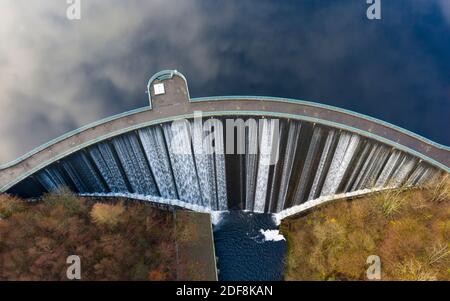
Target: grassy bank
{"points": [[409, 230], [115, 240]]}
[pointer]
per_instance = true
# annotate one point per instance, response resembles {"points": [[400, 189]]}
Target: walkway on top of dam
{"points": [[176, 103]]}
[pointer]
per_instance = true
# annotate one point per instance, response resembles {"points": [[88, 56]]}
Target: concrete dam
{"points": [[261, 154]]}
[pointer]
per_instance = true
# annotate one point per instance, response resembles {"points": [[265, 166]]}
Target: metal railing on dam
{"points": [[291, 155]]}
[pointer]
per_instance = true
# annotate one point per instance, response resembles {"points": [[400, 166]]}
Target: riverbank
{"points": [[409, 231], [114, 238]]}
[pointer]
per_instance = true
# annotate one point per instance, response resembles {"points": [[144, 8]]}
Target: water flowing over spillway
{"points": [[281, 165], [177, 137], [155, 149]]}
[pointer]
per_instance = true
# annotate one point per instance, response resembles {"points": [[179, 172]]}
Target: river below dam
{"points": [[248, 246]]}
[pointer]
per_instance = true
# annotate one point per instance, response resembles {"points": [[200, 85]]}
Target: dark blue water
{"points": [[242, 250]]}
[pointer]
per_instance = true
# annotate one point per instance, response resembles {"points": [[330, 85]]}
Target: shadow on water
{"points": [[244, 252]]}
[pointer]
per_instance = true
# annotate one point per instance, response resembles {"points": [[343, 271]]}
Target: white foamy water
{"points": [[216, 217], [272, 235]]}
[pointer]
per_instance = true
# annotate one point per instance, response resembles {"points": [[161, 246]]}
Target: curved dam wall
{"points": [[166, 161], [295, 155]]}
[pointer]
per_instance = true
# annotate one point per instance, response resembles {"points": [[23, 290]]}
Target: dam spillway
{"points": [[163, 161], [274, 162]]}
